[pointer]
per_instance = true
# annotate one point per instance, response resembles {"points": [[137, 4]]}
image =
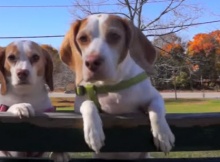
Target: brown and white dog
{"points": [[25, 68], [104, 50]]}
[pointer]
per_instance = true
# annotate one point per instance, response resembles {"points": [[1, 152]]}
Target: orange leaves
{"points": [[216, 35], [171, 48], [195, 67], [205, 44]]}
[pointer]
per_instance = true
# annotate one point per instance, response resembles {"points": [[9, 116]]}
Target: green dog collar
{"points": [[92, 91]]}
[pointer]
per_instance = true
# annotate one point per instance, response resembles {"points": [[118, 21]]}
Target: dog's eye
{"points": [[83, 39], [113, 37], [12, 58], [34, 58]]}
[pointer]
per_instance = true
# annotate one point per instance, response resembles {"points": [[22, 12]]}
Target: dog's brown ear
{"points": [[2, 71], [48, 69], [141, 49], [69, 52]]}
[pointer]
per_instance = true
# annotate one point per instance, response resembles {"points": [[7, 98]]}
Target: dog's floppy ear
{"points": [[69, 51], [48, 75], [141, 49], [2, 72]]}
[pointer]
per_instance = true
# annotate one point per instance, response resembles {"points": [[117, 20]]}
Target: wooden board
{"points": [[63, 132], [101, 160]]}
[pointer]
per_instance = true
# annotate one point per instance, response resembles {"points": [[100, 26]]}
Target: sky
{"points": [[56, 21]]}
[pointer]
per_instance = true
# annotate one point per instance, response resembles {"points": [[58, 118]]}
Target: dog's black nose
{"points": [[22, 74], [93, 62]]}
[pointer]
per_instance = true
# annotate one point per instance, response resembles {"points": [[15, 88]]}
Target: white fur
{"points": [[129, 100], [22, 63], [99, 47], [22, 110], [34, 93], [26, 100], [94, 135]]}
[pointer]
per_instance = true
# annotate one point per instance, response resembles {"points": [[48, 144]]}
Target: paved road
{"points": [[59, 94], [213, 95]]}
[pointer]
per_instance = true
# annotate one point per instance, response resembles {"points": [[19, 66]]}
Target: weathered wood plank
{"points": [[74, 120], [63, 132], [25, 160], [101, 160], [152, 160]]}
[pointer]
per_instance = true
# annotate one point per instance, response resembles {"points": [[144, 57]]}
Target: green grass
{"points": [[188, 154], [183, 154], [172, 106], [64, 108], [192, 106]]}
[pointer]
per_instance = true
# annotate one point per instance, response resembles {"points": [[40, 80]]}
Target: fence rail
{"points": [[128, 133], [63, 132]]}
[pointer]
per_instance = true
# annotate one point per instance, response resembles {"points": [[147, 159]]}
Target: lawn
{"points": [[172, 106], [192, 105]]}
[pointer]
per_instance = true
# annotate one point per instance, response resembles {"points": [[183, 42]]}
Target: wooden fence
{"points": [[63, 132]]}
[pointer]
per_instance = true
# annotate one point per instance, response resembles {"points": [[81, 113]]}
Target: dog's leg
{"points": [[22, 110], [163, 137], [92, 125]]}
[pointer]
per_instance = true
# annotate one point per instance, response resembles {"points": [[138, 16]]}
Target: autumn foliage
{"points": [[188, 62], [205, 44], [170, 48]]}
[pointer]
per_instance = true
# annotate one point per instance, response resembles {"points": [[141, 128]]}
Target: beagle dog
{"points": [[111, 59], [25, 68]]}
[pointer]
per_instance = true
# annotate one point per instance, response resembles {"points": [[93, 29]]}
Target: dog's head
{"points": [[94, 47], [24, 64]]}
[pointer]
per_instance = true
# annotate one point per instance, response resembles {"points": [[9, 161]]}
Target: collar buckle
{"points": [[80, 90]]}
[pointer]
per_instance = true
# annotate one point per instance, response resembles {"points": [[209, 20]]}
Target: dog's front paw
{"points": [[163, 136], [93, 133], [59, 157], [22, 110]]}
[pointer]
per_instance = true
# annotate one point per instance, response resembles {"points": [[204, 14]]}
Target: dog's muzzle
{"points": [[23, 76]]}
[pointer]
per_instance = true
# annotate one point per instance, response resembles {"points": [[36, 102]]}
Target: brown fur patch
{"points": [[44, 65], [118, 22], [48, 67], [2, 72], [141, 49], [41, 71], [70, 52], [10, 49]]}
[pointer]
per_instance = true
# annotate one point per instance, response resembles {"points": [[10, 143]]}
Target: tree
{"points": [[174, 15], [161, 41], [204, 49], [171, 63]]}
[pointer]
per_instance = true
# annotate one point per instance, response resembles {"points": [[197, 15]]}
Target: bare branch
{"points": [[171, 32], [134, 9], [129, 9], [166, 10], [139, 13]]}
